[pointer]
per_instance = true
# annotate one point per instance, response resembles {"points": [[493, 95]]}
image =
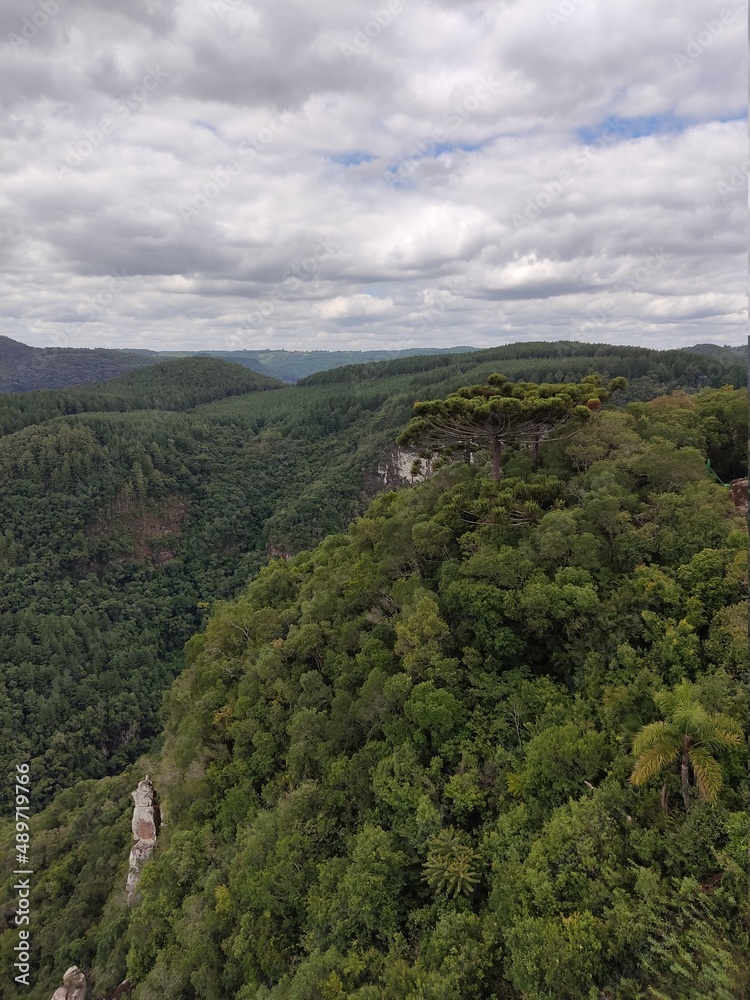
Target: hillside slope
{"points": [[398, 765], [23, 368], [120, 528], [291, 366], [178, 384]]}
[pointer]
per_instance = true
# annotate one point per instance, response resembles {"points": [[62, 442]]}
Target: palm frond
{"points": [[677, 704], [652, 761], [655, 734], [664, 701], [722, 727], [707, 772], [717, 740]]}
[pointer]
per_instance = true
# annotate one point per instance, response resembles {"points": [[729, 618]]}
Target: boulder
{"points": [[74, 986]]}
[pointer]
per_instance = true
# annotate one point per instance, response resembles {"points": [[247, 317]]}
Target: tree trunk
{"points": [[685, 772], [535, 452], [664, 799], [497, 458]]}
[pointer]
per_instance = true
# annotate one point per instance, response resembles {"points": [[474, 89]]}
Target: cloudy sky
{"points": [[379, 174]]}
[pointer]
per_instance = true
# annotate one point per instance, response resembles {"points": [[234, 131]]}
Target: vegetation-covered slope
{"points": [[398, 766], [23, 368], [290, 366], [179, 384], [649, 372], [121, 524], [120, 528]]}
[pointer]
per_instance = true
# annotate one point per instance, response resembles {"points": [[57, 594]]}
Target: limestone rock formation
{"points": [[145, 823], [74, 986], [395, 468], [738, 491]]}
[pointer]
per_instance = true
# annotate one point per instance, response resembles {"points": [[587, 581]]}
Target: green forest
{"points": [[411, 744], [24, 368]]}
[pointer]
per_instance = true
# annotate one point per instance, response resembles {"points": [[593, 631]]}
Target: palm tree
{"points": [[690, 735]]}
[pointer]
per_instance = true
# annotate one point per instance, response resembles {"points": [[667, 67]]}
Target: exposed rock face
{"points": [[395, 468], [738, 490], [145, 823], [74, 986]]}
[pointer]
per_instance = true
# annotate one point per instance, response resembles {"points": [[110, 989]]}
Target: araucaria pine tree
{"points": [[501, 413]]}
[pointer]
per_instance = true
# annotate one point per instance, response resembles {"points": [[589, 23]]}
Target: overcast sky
{"points": [[390, 173]]}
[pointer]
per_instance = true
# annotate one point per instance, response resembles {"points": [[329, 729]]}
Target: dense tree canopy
{"points": [[399, 765]]}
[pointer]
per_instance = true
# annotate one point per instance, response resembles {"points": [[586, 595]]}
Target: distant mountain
{"points": [[177, 384], [728, 351], [291, 366], [23, 367]]}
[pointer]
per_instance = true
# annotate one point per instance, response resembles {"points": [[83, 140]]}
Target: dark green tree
{"points": [[501, 413]]}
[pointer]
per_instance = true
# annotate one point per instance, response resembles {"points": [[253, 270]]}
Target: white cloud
{"points": [[197, 174], [354, 307]]}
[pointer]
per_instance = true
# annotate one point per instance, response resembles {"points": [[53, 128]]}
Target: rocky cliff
{"points": [[145, 828], [74, 986], [395, 468]]}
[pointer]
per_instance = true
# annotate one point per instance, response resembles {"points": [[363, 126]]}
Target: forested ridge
{"points": [[396, 765], [291, 366], [24, 368], [168, 385]]}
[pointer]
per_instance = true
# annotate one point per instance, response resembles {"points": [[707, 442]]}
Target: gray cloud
{"points": [[229, 173]]}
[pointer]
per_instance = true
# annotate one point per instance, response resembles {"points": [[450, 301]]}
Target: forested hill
{"points": [[291, 366], [23, 368], [436, 757], [179, 384], [122, 522], [739, 352], [648, 371]]}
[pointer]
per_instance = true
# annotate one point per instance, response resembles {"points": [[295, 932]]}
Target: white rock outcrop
{"points": [[395, 468], [74, 986], [144, 831]]}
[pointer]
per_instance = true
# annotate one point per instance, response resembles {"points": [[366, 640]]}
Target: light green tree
{"points": [[688, 735]]}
